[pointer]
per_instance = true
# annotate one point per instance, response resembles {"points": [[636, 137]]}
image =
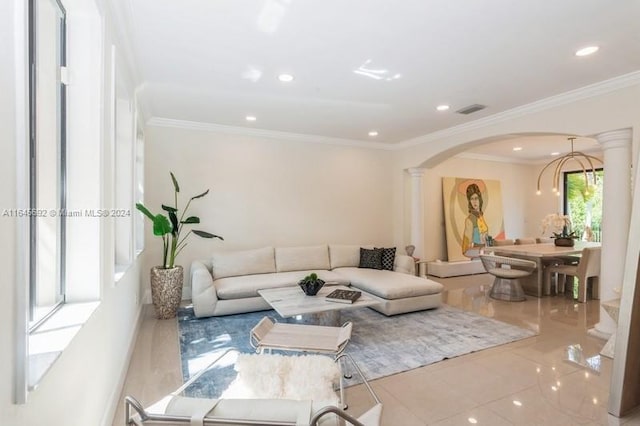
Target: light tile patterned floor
{"points": [[522, 383]]}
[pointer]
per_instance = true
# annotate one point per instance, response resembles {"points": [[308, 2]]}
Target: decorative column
{"points": [[417, 211], [616, 216]]}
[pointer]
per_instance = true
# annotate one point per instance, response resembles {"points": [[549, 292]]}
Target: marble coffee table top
{"points": [[291, 301]]}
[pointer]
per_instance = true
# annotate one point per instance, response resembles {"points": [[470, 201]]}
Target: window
{"points": [[128, 154], [47, 164], [139, 190], [59, 175], [583, 203]]}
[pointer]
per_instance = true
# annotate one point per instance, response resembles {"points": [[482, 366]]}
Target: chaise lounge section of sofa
{"points": [[228, 283]]}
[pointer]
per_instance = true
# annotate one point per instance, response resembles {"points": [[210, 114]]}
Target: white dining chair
{"points": [[503, 242], [523, 241], [588, 268]]}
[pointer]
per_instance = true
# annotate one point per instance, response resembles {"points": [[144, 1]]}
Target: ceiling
{"points": [[532, 148], [364, 65]]}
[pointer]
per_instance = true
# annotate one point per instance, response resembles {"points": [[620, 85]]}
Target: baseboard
{"points": [[444, 269], [114, 399]]}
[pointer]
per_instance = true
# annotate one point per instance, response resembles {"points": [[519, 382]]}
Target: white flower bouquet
{"points": [[558, 224]]}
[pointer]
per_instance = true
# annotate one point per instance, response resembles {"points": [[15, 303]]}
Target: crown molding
{"points": [[266, 134], [596, 89]]}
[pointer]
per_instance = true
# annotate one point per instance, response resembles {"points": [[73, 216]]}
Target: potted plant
{"points": [[311, 284], [564, 238], [167, 279], [560, 225]]}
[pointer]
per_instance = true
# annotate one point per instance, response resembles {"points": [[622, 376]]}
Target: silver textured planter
{"points": [[166, 290]]}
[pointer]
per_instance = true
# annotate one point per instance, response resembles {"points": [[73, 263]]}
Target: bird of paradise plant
{"points": [[170, 228]]}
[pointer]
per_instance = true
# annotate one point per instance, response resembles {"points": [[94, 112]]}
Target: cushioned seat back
{"points": [[542, 240], [302, 258], [522, 241], [589, 265], [503, 242], [245, 262], [344, 256]]}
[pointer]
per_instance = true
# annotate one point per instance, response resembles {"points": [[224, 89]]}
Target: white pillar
{"points": [[417, 211], [616, 216]]}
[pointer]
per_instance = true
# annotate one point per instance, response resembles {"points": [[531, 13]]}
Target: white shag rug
{"points": [[304, 377]]}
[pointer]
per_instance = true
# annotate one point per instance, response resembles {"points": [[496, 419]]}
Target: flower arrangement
{"points": [[559, 225]]}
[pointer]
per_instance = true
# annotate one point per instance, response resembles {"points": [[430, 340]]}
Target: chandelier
{"points": [[582, 159]]}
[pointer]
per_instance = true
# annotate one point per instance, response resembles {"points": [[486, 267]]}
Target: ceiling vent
{"points": [[471, 109]]}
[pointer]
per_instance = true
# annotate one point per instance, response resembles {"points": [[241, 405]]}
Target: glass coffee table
{"points": [[291, 303]]}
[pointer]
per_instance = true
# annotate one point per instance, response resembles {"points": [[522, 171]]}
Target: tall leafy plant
{"points": [[170, 228]]}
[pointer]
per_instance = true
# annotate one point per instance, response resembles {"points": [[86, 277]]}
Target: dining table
{"points": [[543, 254]]}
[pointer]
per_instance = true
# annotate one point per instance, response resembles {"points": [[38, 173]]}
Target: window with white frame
{"points": [[139, 187], [125, 138], [60, 154], [47, 165]]}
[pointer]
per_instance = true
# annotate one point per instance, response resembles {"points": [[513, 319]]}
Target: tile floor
{"points": [[522, 383]]}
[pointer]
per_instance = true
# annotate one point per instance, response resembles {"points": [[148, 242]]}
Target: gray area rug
{"points": [[381, 345]]}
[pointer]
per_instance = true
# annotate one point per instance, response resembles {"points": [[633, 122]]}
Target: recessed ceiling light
{"points": [[517, 403], [555, 153], [285, 78], [442, 107], [373, 133], [585, 51], [517, 148], [250, 118], [472, 420]]}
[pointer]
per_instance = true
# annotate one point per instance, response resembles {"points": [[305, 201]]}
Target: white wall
{"points": [[84, 383], [267, 192]]}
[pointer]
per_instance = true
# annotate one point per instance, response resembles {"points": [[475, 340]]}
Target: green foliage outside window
{"points": [[584, 203]]}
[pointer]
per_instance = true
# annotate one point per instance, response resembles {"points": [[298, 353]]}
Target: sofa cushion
{"points": [[302, 258], [245, 262], [371, 258], [344, 255], [388, 258], [388, 284], [248, 285]]}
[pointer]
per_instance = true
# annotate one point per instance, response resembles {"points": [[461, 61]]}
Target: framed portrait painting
{"points": [[473, 215]]}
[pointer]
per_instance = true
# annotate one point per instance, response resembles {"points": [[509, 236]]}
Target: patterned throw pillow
{"points": [[371, 259], [388, 258]]}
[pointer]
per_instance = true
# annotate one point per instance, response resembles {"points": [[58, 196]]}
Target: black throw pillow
{"points": [[371, 259], [388, 258]]}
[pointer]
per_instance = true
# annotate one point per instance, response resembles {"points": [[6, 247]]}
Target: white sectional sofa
{"points": [[228, 283]]}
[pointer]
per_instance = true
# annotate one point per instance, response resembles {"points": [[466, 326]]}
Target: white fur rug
{"points": [[305, 377]]}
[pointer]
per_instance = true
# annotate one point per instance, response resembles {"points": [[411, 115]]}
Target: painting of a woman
{"points": [[473, 215], [476, 229]]}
